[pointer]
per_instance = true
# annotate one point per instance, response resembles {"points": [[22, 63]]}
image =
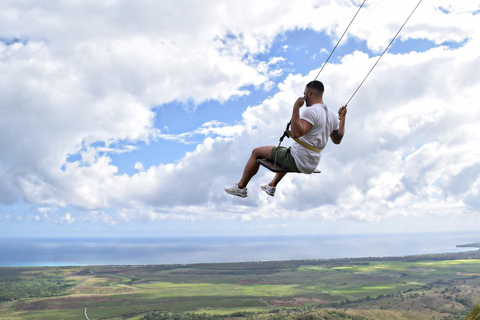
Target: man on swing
{"points": [[311, 129]]}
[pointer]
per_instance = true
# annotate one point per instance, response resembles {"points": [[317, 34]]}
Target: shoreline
{"points": [[55, 252], [471, 254]]}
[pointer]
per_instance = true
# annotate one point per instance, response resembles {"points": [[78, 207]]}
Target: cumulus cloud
{"points": [[84, 79]]}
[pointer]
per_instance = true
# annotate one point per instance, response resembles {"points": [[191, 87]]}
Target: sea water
{"points": [[143, 251]]}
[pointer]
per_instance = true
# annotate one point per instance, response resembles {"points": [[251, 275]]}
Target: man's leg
{"points": [[272, 186], [284, 159], [276, 179], [251, 168]]}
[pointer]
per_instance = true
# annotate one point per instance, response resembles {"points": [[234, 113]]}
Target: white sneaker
{"points": [[269, 190], [236, 191]]}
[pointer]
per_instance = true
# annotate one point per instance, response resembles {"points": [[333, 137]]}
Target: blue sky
{"points": [[118, 128]]}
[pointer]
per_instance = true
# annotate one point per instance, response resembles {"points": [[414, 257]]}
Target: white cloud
{"points": [[90, 72], [208, 129], [98, 216], [139, 166], [381, 20]]}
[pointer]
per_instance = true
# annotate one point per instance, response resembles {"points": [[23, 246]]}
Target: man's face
{"points": [[305, 96]]}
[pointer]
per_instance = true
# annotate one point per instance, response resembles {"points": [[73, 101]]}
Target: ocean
{"points": [[172, 250]]}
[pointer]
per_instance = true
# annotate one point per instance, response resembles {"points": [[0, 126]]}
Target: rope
{"points": [[331, 53], [328, 58], [318, 74], [339, 40], [384, 52]]}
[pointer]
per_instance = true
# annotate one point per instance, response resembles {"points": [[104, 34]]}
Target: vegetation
{"points": [[292, 315], [475, 314], [179, 316], [443, 286], [17, 283]]}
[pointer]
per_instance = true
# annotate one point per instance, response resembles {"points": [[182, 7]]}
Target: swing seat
{"points": [[276, 167]]}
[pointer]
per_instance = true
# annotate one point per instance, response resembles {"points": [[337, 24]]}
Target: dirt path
{"points": [[268, 304], [78, 285]]}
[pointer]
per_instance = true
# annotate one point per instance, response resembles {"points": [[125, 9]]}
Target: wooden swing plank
{"points": [[272, 166], [276, 167]]}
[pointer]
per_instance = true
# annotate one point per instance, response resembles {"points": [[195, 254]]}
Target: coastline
{"points": [[409, 287], [21, 252], [464, 255]]}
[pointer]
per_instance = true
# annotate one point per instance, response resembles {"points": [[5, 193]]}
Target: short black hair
{"points": [[316, 85]]}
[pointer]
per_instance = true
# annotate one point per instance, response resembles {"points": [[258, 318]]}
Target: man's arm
{"points": [[299, 127], [337, 135]]}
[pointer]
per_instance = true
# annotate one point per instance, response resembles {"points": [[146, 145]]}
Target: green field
{"points": [[445, 286]]}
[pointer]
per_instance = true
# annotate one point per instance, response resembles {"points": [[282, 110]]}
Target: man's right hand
{"points": [[299, 103]]}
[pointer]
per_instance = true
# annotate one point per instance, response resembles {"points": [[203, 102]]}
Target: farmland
{"points": [[442, 286]]}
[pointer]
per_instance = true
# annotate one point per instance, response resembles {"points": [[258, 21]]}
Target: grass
{"points": [[409, 287]]}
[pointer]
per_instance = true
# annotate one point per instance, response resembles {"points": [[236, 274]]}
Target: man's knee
{"points": [[256, 152], [261, 152]]}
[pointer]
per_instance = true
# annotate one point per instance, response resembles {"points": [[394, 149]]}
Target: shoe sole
{"points": [[266, 191], [241, 195]]}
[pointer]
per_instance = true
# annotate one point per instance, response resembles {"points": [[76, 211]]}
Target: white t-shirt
{"points": [[324, 122]]}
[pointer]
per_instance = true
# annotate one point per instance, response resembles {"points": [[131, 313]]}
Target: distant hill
{"points": [[469, 245], [475, 314]]}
